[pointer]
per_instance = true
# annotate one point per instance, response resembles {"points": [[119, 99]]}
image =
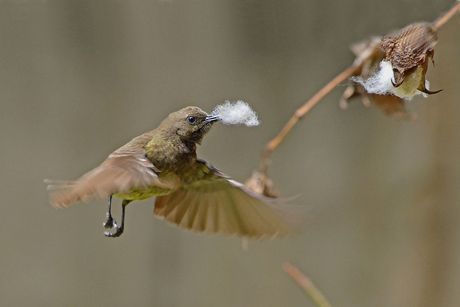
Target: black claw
{"points": [[118, 230], [116, 234], [110, 223]]}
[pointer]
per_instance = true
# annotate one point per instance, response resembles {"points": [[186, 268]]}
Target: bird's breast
{"points": [[169, 157]]}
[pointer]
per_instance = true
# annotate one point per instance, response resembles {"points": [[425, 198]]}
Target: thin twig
{"points": [[306, 284], [350, 71], [441, 21]]}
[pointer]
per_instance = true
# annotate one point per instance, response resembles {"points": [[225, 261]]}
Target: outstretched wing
{"points": [[125, 169], [209, 201]]}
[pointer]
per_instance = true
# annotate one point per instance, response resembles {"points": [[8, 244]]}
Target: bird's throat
{"points": [[171, 156]]}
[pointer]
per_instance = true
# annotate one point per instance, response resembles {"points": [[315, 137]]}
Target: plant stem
{"points": [[441, 21], [306, 284], [350, 71]]}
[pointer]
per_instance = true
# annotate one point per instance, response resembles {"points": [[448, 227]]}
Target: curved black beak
{"points": [[212, 118]]}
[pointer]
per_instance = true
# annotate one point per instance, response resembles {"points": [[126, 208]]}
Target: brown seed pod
{"points": [[408, 50], [262, 184]]}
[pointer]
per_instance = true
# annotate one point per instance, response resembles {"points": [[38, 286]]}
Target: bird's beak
{"points": [[212, 118]]}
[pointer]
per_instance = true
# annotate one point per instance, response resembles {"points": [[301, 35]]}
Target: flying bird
{"points": [[190, 192]]}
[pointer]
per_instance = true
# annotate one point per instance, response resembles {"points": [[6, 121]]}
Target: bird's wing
{"points": [[125, 169], [209, 201]]}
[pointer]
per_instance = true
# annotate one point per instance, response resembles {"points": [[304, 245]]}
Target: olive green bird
{"points": [[190, 192]]}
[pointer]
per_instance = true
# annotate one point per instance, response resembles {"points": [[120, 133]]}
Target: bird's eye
{"points": [[191, 120]]}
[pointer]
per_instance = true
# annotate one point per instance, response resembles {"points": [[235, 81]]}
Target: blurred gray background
{"points": [[78, 79]]}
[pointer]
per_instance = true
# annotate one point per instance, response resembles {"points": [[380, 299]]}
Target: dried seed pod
{"points": [[370, 52], [400, 72], [262, 184], [408, 51]]}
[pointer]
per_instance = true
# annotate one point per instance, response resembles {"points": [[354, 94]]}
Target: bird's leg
{"points": [[110, 220], [119, 230]]}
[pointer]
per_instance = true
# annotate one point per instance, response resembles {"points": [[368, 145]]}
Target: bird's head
{"points": [[188, 124]]}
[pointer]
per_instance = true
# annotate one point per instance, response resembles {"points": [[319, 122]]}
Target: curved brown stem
{"points": [[350, 71], [306, 284], [441, 21]]}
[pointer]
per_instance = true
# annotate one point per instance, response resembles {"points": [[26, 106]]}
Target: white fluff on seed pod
{"points": [[380, 83], [236, 113]]}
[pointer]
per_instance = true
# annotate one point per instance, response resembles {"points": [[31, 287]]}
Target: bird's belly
{"points": [[141, 194]]}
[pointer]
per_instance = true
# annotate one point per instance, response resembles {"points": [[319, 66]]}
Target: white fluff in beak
{"points": [[236, 113]]}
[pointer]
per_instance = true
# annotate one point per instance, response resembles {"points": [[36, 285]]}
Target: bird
{"points": [[190, 192]]}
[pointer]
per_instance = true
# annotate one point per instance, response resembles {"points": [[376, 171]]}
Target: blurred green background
{"points": [[78, 79]]}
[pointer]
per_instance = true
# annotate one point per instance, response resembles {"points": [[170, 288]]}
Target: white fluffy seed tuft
{"points": [[236, 113], [380, 82]]}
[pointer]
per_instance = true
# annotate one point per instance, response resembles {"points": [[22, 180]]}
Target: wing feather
{"points": [[125, 169], [213, 203]]}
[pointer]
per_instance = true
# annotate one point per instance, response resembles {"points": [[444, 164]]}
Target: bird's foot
{"points": [[117, 233], [110, 222]]}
